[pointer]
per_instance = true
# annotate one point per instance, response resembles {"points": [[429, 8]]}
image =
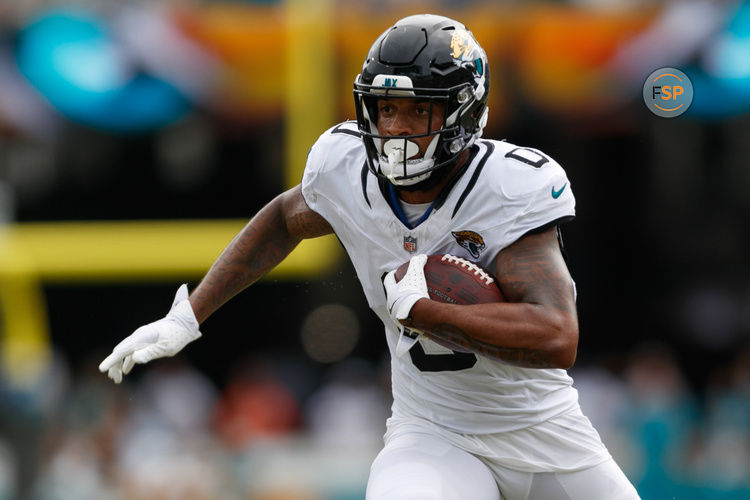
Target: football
{"points": [[457, 281]]}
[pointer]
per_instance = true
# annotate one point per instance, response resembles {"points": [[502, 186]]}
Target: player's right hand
{"points": [[162, 338], [402, 295]]}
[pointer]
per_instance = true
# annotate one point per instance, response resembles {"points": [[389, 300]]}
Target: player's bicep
{"points": [[300, 220], [533, 270]]}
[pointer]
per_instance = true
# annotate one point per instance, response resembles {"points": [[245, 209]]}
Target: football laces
{"points": [[470, 266]]}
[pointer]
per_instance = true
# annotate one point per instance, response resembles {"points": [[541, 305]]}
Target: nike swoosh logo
{"points": [[556, 194]]}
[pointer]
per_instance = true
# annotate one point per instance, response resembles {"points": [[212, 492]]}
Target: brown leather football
{"points": [[457, 281]]}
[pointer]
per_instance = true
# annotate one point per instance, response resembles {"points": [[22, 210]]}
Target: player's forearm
{"points": [[527, 335], [262, 244]]}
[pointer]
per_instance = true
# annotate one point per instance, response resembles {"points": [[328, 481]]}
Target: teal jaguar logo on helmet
{"points": [[463, 46]]}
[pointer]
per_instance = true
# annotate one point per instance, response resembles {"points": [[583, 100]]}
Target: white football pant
{"points": [[418, 466]]}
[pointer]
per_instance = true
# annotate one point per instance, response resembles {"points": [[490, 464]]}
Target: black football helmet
{"points": [[431, 58]]}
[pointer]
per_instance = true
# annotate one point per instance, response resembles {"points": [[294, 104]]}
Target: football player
{"points": [[410, 177]]}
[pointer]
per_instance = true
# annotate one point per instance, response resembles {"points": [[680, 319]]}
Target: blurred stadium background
{"points": [[137, 137]]}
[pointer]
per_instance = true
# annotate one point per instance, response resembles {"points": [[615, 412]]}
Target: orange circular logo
{"points": [[668, 92]]}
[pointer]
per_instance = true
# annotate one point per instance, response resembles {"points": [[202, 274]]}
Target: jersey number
{"points": [[528, 156], [441, 362]]}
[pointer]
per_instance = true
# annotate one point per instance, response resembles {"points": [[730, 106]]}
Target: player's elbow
{"points": [[564, 346]]}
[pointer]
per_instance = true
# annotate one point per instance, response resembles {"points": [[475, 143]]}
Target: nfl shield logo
{"points": [[410, 244]]}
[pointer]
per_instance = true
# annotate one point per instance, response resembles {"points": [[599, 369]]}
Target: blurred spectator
{"points": [[27, 411], [350, 408], [167, 450], [255, 405], [7, 471], [661, 418], [603, 397], [725, 462], [81, 442]]}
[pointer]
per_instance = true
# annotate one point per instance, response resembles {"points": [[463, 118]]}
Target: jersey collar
{"points": [[398, 209]]}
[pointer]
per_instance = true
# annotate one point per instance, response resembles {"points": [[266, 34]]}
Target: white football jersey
{"points": [[506, 192]]}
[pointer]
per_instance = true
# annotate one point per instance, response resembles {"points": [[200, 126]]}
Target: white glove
{"points": [[401, 297], [162, 338]]}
